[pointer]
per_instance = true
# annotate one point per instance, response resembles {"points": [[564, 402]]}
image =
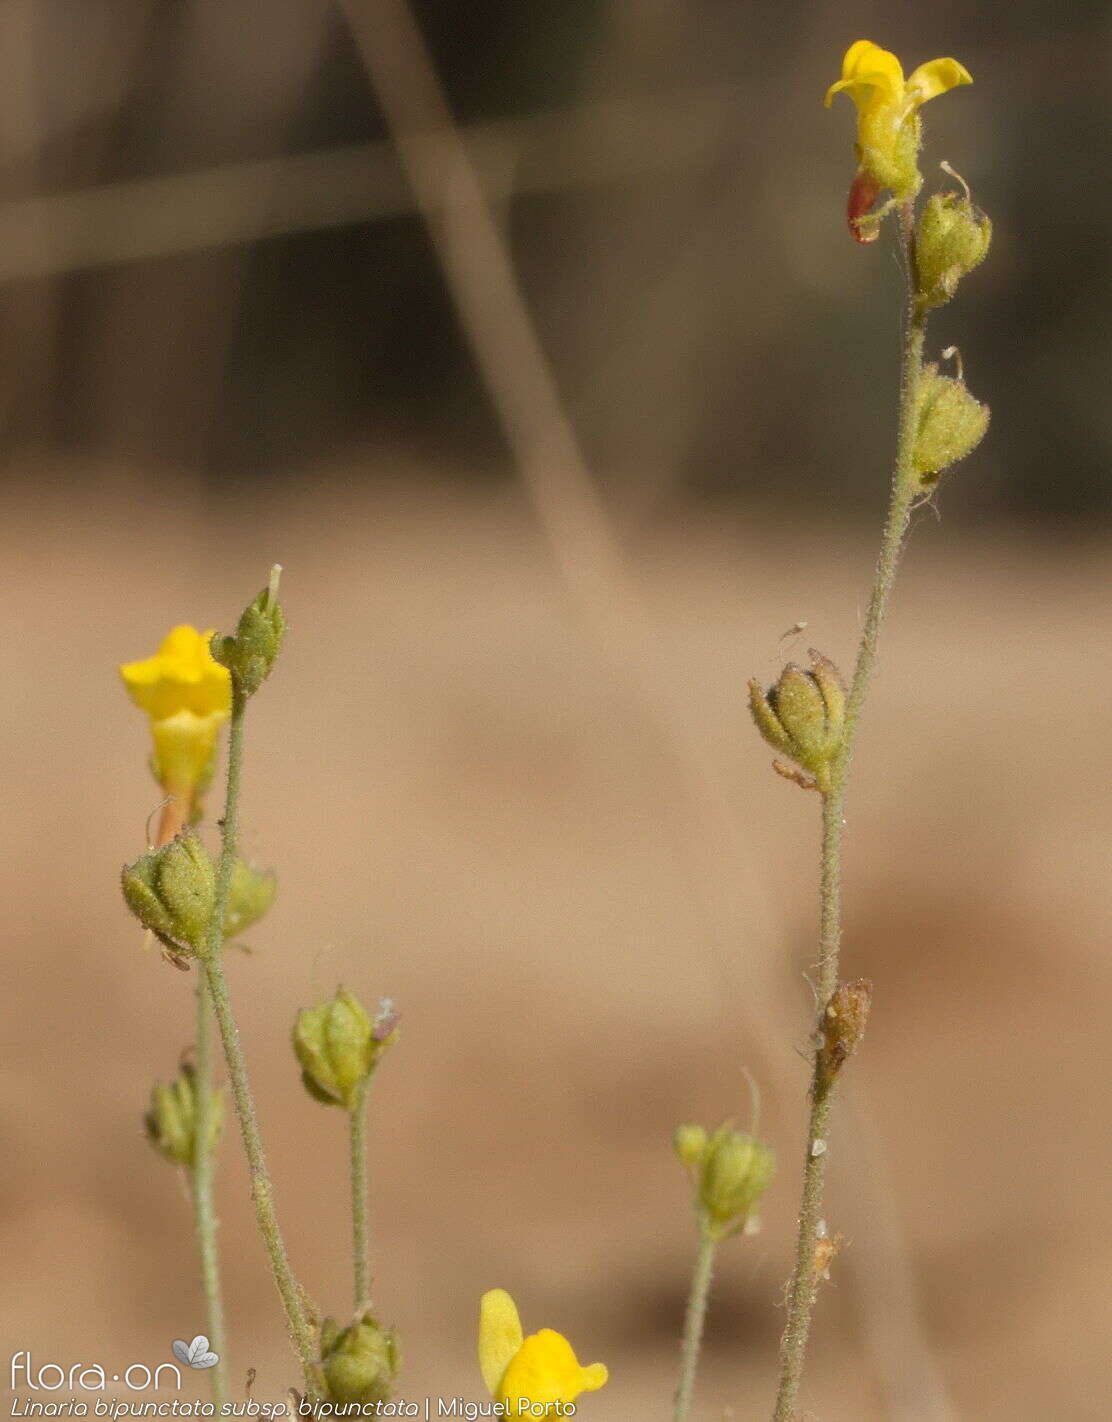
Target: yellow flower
{"points": [[887, 111], [542, 1368], [188, 697]]}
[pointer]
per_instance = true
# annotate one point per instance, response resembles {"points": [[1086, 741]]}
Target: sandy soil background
{"points": [[593, 910]]}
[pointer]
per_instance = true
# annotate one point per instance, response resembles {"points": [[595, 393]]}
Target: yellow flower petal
{"points": [[500, 1336], [545, 1370], [594, 1376], [935, 77], [859, 90], [181, 676], [863, 56], [869, 74]]}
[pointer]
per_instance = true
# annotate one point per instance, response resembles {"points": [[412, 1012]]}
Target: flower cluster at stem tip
{"points": [[888, 128], [188, 697], [541, 1369], [730, 1170]]}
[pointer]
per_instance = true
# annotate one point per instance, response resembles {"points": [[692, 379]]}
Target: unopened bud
{"points": [[689, 1143], [803, 715], [251, 653], [172, 891], [951, 424], [842, 1026], [250, 894], [735, 1171], [361, 1362], [953, 238], [338, 1047], [170, 1122]]}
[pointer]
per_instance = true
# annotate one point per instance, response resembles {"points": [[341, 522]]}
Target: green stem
{"points": [[201, 1179], [360, 1237], [262, 1190], [905, 489], [804, 1281], [694, 1320]]}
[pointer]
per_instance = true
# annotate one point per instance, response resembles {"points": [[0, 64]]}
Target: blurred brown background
{"points": [[505, 769]]}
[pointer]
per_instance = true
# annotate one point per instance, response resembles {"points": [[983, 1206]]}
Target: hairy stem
{"points": [[262, 1190], [177, 810], [201, 1180], [804, 1282], [360, 1238], [694, 1320]]}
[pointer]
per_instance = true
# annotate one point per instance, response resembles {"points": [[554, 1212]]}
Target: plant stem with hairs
{"points": [[300, 1331], [201, 1181], [905, 489], [360, 1238], [175, 813], [694, 1320]]}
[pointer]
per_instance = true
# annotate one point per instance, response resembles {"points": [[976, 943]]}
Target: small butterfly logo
{"points": [[195, 1354]]}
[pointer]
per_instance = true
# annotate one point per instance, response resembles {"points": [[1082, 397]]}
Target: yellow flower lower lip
{"points": [[181, 676]]}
